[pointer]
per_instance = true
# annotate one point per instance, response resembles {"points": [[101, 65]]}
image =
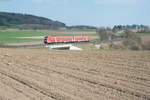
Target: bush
{"points": [[129, 41], [118, 45]]}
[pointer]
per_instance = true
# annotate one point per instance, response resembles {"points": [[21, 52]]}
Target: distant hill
{"points": [[25, 21]]}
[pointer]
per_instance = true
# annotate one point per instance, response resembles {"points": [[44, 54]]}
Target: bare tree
{"points": [[105, 35], [129, 34], [131, 40]]}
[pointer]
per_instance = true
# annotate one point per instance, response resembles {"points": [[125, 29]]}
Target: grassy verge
{"points": [[17, 40], [12, 36], [142, 34]]}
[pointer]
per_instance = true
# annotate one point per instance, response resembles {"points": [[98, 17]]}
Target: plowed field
{"points": [[38, 74]]}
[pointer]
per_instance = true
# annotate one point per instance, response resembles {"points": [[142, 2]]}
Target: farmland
{"points": [[13, 36], [40, 74], [25, 36], [91, 74]]}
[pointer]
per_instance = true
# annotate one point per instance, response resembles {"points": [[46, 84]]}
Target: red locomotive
{"points": [[65, 39]]}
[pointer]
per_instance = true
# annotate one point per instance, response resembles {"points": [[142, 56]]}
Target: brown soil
{"points": [[40, 74], [145, 39]]}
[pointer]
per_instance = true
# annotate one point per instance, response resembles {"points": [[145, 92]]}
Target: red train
{"points": [[64, 39]]}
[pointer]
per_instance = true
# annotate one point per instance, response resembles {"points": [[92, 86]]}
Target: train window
{"points": [[51, 38]]}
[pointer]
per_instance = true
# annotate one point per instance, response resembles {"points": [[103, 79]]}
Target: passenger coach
{"points": [[64, 39]]}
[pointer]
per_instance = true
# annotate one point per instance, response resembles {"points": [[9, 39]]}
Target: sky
{"points": [[84, 12]]}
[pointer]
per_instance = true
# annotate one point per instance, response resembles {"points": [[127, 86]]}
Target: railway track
{"points": [[39, 45], [23, 46]]}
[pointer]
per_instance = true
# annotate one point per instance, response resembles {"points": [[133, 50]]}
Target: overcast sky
{"points": [[84, 12]]}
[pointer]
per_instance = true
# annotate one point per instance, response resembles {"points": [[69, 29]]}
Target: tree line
{"points": [[137, 28]]}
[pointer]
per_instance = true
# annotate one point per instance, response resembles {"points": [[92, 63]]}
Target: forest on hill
{"points": [[25, 21]]}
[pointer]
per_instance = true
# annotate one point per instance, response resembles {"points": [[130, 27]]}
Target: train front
{"points": [[45, 39]]}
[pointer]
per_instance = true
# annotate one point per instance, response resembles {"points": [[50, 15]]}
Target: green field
{"points": [[142, 34], [12, 36], [7, 37]]}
